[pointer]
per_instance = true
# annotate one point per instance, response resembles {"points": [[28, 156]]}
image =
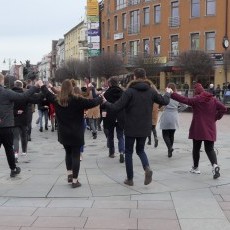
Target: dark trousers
{"points": [[20, 132], [29, 123], [140, 150], [154, 133], [120, 138], [209, 149], [72, 159], [168, 136], [6, 139]]}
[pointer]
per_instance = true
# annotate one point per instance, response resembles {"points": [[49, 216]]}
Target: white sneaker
{"points": [[195, 170], [24, 154]]}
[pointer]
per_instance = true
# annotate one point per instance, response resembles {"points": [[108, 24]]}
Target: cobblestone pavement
{"points": [[41, 199]]}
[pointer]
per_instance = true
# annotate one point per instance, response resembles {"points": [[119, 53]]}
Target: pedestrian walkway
{"points": [[41, 199]]}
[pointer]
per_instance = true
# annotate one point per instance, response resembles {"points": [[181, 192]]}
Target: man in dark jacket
{"points": [[21, 116], [138, 101], [114, 119], [7, 99]]}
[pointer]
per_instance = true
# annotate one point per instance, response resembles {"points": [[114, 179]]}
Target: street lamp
{"points": [[9, 60]]}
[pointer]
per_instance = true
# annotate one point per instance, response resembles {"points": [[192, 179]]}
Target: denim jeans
{"points": [[140, 150], [120, 138], [42, 113]]}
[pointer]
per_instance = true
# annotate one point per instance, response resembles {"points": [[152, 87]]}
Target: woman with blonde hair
{"points": [[70, 109]]}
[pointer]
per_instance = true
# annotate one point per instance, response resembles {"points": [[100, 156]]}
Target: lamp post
{"points": [[9, 60]]}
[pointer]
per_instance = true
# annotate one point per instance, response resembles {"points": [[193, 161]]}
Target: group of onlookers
{"points": [[131, 111]]}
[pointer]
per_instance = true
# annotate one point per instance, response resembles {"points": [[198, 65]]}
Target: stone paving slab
{"points": [[41, 199]]}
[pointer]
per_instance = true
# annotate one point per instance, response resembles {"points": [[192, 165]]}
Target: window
{"points": [[157, 46], [146, 16], [115, 48], [146, 47], [195, 41], [124, 21], [134, 22], [174, 9], [210, 41], [134, 48], [123, 49], [115, 23], [133, 2], [103, 29], [108, 49], [108, 25], [210, 7], [120, 4], [157, 14], [174, 45], [195, 8]]}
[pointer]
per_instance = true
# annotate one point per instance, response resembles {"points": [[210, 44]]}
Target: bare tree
{"points": [[61, 74], [107, 65], [195, 62], [151, 64]]}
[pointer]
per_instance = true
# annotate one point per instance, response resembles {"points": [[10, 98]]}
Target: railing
{"points": [[174, 21], [172, 56]]}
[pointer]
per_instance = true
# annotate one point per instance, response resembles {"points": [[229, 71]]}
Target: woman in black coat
{"points": [[70, 116]]}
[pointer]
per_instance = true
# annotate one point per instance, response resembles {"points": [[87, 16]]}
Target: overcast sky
{"points": [[27, 27]]}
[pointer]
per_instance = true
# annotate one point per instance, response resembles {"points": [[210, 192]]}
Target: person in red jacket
{"points": [[206, 111]]}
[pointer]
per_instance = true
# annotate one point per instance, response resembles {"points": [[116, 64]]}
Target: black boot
{"points": [[94, 135]]}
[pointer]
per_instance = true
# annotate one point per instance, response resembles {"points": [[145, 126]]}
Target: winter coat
{"points": [[94, 112], [25, 106], [206, 111], [112, 94], [7, 99], [170, 117], [137, 101], [70, 119]]}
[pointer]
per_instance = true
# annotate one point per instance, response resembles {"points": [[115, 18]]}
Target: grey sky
{"points": [[27, 27]]}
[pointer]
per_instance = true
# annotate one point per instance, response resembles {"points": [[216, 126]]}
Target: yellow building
{"points": [[75, 42], [165, 28]]}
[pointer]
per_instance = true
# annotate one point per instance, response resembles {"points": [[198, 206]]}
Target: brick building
{"points": [[163, 29]]}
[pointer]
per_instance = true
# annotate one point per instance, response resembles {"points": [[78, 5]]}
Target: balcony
{"points": [[174, 22], [172, 56], [134, 29]]}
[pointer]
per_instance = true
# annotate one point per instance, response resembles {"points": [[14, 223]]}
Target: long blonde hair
{"points": [[65, 93]]}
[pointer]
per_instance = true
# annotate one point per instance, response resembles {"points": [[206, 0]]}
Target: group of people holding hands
{"points": [[133, 107]]}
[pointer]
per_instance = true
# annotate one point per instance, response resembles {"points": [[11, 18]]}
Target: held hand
{"points": [[169, 90], [102, 95], [39, 83]]}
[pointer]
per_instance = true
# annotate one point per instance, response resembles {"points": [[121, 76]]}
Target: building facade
{"points": [[162, 29], [75, 40]]}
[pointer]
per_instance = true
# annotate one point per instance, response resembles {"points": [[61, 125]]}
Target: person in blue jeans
{"points": [[114, 120], [137, 102]]}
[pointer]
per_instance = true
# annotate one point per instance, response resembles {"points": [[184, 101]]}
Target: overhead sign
{"points": [[92, 8]]}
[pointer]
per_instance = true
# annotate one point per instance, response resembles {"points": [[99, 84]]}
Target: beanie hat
{"points": [[198, 89]]}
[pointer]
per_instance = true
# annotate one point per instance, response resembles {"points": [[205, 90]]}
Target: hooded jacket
{"points": [[113, 94], [206, 111], [137, 102]]}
